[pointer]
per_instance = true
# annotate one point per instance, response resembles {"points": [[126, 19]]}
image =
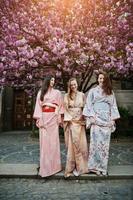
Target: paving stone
{"points": [[18, 169], [26, 189], [19, 147]]}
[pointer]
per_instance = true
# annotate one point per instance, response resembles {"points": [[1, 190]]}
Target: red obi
{"points": [[48, 109]]}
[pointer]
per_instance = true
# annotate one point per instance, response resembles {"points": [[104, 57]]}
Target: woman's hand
{"points": [[112, 123], [61, 124], [92, 120], [39, 123]]}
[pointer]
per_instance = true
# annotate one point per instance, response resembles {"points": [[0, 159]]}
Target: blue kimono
{"points": [[101, 112]]}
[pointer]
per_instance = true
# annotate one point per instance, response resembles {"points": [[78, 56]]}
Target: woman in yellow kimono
{"points": [[74, 130]]}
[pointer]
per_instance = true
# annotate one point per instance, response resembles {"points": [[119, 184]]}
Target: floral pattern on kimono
{"points": [[75, 136], [101, 111]]}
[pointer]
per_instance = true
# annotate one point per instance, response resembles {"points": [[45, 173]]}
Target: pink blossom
{"points": [[21, 42], [80, 36]]}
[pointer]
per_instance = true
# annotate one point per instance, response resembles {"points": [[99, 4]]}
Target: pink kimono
{"points": [[50, 160]]}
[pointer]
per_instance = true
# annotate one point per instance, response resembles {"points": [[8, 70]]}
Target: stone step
{"points": [[30, 171]]}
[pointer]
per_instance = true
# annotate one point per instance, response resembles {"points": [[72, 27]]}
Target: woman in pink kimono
{"points": [[101, 112], [48, 111], [74, 130]]}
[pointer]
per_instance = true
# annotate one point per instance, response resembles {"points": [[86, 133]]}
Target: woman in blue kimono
{"points": [[101, 112]]}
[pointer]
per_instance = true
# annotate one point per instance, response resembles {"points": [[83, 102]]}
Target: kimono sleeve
{"points": [[67, 116], [114, 109], [38, 109], [88, 108], [60, 103]]}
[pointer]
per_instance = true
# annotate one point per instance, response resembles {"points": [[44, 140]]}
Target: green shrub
{"points": [[124, 113], [123, 125]]}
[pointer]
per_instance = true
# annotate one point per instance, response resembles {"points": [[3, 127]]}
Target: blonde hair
{"points": [[69, 91]]}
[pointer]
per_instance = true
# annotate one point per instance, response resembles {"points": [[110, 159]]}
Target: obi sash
{"points": [[48, 109]]}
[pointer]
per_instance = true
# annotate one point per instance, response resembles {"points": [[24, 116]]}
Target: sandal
{"points": [[98, 173], [105, 173], [67, 175], [75, 173]]}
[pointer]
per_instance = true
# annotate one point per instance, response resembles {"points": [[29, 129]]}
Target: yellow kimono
{"points": [[75, 136]]}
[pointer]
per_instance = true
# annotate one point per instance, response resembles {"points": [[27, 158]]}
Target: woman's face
{"points": [[101, 79], [52, 82], [73, 86]]}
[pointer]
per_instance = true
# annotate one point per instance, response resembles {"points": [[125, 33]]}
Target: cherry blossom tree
{"points": [[68, 38]]}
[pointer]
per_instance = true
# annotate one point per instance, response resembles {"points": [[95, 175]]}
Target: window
{"points": [[127, 85]]}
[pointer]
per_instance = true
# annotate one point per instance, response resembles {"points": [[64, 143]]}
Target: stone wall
{"points": [[1, 93], [125, 98]]}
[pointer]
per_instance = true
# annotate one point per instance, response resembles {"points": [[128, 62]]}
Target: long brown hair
{"points": [[69, 91], [107, 86], [45, 86]]}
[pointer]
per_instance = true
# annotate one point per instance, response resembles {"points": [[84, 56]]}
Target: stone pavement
{"points": [[43, 189], [19, 156], [19, 159]]}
